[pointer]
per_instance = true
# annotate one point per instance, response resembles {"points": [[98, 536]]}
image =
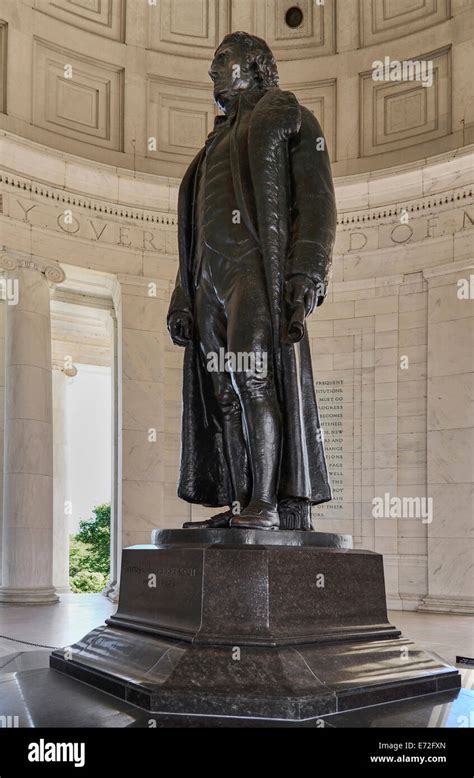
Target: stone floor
{"points": [[42, 697], [51, 625]]}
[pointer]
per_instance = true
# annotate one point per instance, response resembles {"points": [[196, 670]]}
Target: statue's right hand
{"points": [[180, 328]]}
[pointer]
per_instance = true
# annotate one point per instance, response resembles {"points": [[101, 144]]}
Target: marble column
{"points": [[27, 553], [115, 322], [2, 405], [61, 517]]}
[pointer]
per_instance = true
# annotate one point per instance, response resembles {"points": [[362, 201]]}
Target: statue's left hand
{"points": [[300, 289]]}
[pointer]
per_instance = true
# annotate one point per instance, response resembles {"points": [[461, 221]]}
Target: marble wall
{"points": [[143, 435], [394, 340]]}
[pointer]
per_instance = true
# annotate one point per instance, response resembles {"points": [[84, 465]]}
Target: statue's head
{"points": [[241, 61]]}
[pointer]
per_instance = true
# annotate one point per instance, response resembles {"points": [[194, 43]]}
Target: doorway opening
{"points": [[83, 424]]}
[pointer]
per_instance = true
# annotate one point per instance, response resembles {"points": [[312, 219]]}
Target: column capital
{"points": [[431, 274], [52, 271]]}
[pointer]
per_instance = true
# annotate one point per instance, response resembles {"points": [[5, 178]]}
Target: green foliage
{"points": [[95, 533], [89, 555], [88, 581], [78, 552]]}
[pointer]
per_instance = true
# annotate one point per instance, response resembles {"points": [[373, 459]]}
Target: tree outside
{"points": [[89, 552]]}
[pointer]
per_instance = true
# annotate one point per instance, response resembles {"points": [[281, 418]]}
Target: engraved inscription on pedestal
{"points": [[171, 587]]}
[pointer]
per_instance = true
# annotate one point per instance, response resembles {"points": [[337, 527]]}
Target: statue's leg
{"points": [[234, 447], [250, 339], [211, 325], [235, 450], [262, 424]]}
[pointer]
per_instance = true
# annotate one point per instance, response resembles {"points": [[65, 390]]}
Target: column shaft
{"points": [[61, 520], [28, 451]]}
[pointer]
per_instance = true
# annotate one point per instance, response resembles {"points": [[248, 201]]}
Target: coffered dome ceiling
{"points": [[125, 82]]}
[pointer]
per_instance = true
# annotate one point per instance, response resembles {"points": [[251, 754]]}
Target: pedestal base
{"points": [[232, 627]]}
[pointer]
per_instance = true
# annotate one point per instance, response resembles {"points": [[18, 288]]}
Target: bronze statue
{"points": [[257, 222]]}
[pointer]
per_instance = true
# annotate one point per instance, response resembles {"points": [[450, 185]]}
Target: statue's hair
{"points": [[258, 56]]}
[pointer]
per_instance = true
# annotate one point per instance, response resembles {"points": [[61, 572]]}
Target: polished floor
{"points": [[52, 626], [39, 696]]}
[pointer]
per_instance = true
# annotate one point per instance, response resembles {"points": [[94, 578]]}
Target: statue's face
{"points": [[230, 73]]}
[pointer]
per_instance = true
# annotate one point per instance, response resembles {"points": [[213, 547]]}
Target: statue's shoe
{"points": [[256, 518], [219, 521]]}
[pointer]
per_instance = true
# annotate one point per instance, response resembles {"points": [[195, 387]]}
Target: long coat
{"points": [[283, 187]]}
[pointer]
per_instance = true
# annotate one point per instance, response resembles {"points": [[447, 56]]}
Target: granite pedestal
{"points": [[258, 624]]}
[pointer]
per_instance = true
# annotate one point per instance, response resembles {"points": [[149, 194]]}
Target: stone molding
{"points": [[94, 207], [446, 604], [463, 266], [368, 199]]}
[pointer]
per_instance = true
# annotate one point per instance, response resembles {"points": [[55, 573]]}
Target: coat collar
{"points": [[275, 117]]}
